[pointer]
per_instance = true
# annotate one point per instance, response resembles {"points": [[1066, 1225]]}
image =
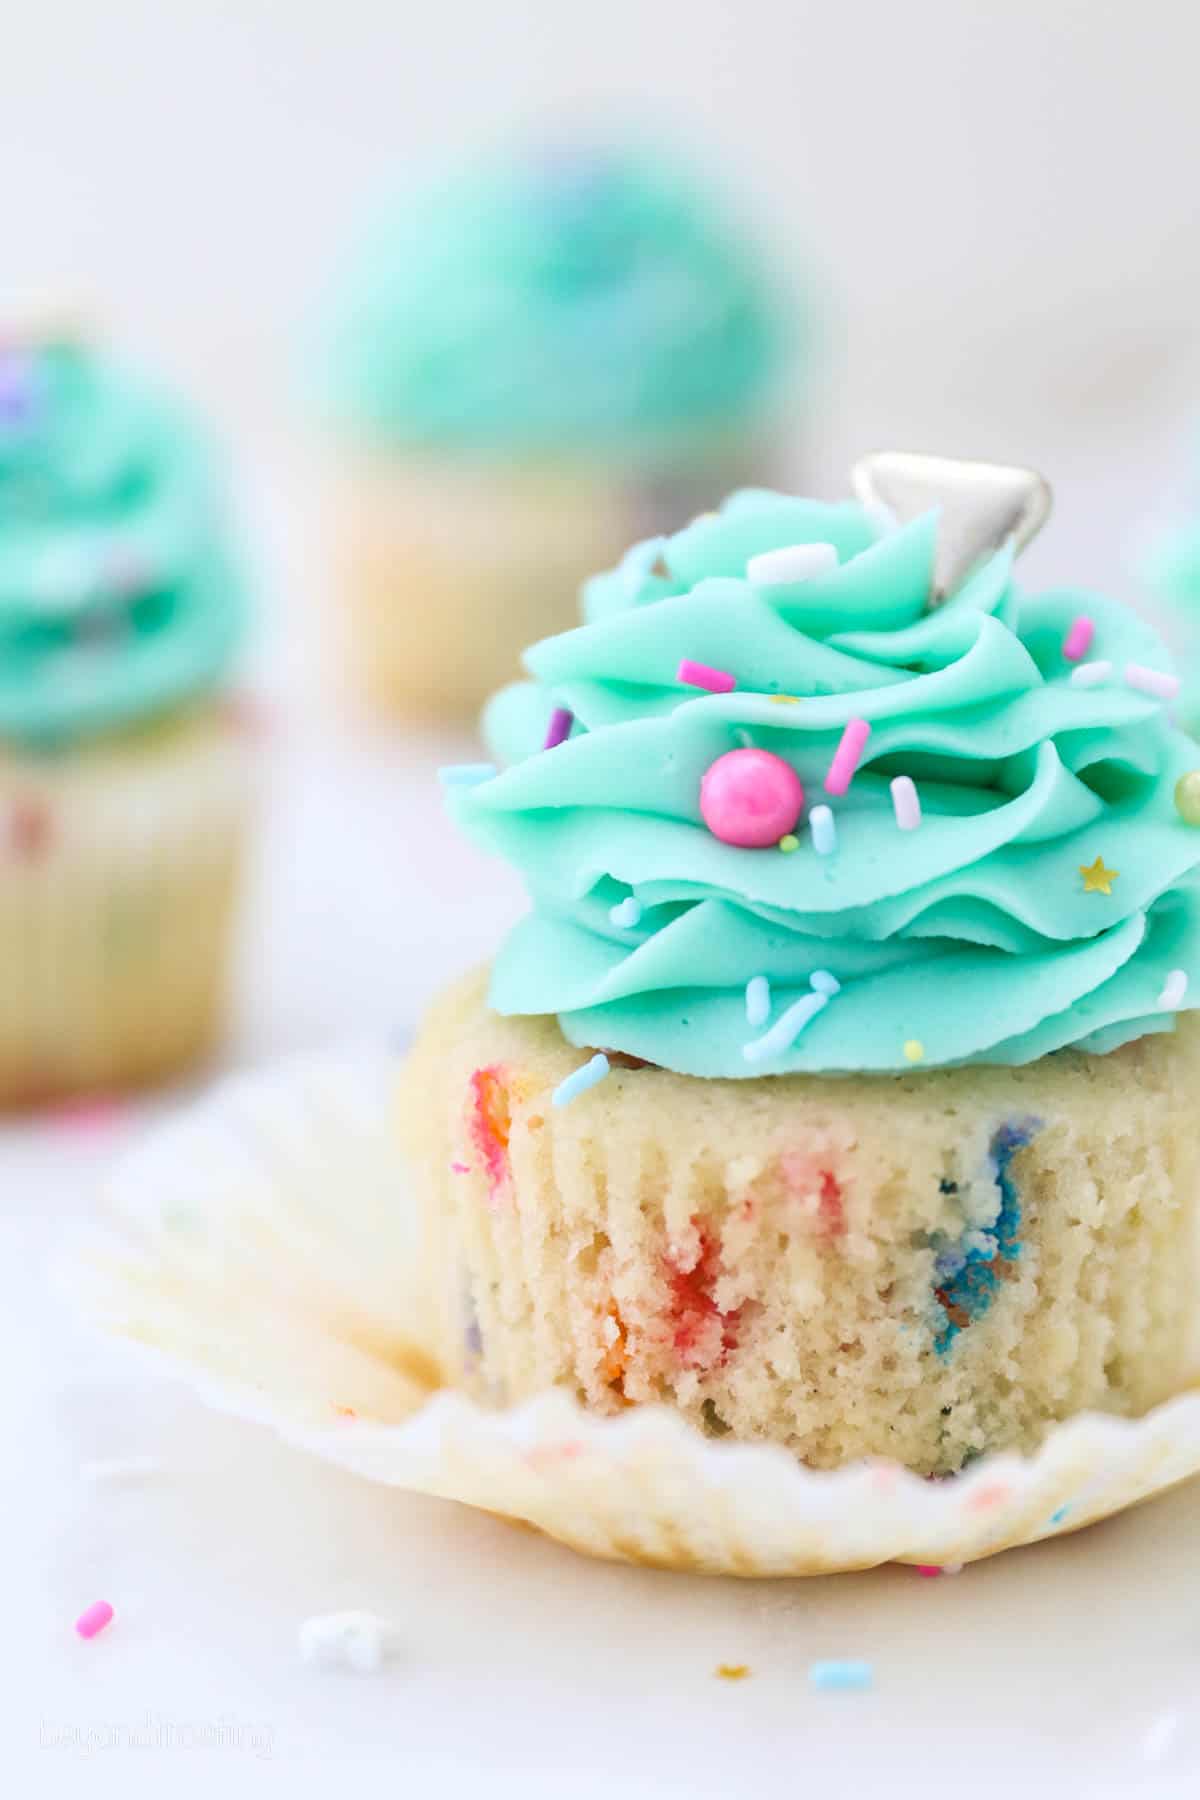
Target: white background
{"points": [[1001, 198]]}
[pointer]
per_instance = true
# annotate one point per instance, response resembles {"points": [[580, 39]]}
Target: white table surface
{"points": [[1071, 1669]]}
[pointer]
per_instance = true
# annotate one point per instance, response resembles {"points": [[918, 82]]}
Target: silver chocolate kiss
{"points": [[983, 505]]}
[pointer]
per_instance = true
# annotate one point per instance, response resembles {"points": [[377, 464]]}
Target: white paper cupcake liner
{"points": [[264, 1245]]}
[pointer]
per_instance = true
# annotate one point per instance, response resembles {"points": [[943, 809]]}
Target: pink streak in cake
{"points": [[702, 1335], [490, 1122], [817, 1191]]}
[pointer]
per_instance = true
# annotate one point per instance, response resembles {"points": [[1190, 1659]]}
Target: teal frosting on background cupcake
{"points": [[1047, 898], [119, 597], [591, 302]]}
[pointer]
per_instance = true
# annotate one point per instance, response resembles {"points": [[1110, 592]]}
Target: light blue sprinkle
{"points": [[786, 1028], [824, 830], [758, 1001], [822, 982], [626, 913], [1059, 1514], [465, 774], [841, 1677], [580, 1080], [743, 737]]}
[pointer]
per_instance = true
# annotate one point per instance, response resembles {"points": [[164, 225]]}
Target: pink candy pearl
{"points": [[750, 798]]}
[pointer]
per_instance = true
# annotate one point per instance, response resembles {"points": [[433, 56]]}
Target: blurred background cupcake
{"points": [[121, 772], [549, 355]]}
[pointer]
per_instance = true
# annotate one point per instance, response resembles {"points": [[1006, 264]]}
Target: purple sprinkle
{"points": [[18, 386], [559, 728]]}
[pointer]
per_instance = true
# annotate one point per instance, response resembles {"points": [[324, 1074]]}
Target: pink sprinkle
{"points": [[906, 803], [458, 1168], [1078, 640], [559, 728], [90, 1113], [929, 1570], [696, 674], [94, 1618], [846, 756], [1151, 681], [987, 1497]]}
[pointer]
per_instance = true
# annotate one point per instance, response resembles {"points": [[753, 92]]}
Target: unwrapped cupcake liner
{"points": [[120, 864], [265, 1246]]}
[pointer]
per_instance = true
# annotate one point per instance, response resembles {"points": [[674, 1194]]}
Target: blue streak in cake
{"points": [[969, 1274]]}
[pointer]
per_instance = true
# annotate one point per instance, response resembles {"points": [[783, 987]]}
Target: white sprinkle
{"points": [[906, 803], [626, 913], [465, 774], [1174, 989], [743, 737], [786, 1028], [798, 562], [1091, 674], [1151, 681], [349, 1640], [580, 1080], [823, 830], [822, 981], [106, 1469], [758, 1001]]}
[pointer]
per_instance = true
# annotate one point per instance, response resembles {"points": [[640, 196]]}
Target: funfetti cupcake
{"points": [[122, 779], [837, 1089], [528, 367]]}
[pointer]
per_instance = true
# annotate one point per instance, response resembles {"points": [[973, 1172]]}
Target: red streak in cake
{"points": [[703, 1336], [818, 1190], [30, 830], [490, 1123]]}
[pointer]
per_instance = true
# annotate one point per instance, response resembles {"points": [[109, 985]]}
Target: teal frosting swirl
{"points": [[576, 300], [119, 598], [973, 936]]}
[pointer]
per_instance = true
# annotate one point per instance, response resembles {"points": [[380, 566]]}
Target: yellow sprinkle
{"points": [[1096, 878], [732, 1671], [914, 1050], [784, 700], [789, 842]]}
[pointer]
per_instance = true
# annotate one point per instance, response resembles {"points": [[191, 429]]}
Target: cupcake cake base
{"points": [[924, 1268], [121, 864]]}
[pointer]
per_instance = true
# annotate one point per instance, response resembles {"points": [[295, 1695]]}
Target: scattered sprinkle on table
{"points": [[758, 1001], [348, 1640], [795, 562], [580, 1080], [559, 728], [1151, 681], [1096, 878], [906, 803], [698, 674], [465, 774], [94, 1618], [732, 1671], [626, 913], [1174, 989], [914, 1050], [841, 1677], [823, 830], [846, 756], [1078, 640], [1091, 674]]}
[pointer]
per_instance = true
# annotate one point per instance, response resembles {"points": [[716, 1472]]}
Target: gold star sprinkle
{"points": [[784, 700], [732, 1671], [1096, 878]]}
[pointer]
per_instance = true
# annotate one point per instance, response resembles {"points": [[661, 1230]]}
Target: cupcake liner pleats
{"points": [[266, 1246]]}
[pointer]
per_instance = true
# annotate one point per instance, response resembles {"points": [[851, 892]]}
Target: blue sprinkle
{"points": [[1059, 1514], [841, 1677], [465, 774], [822, 982], [823, 830], [758, 1001], [626, 913], [580, 1080]]}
